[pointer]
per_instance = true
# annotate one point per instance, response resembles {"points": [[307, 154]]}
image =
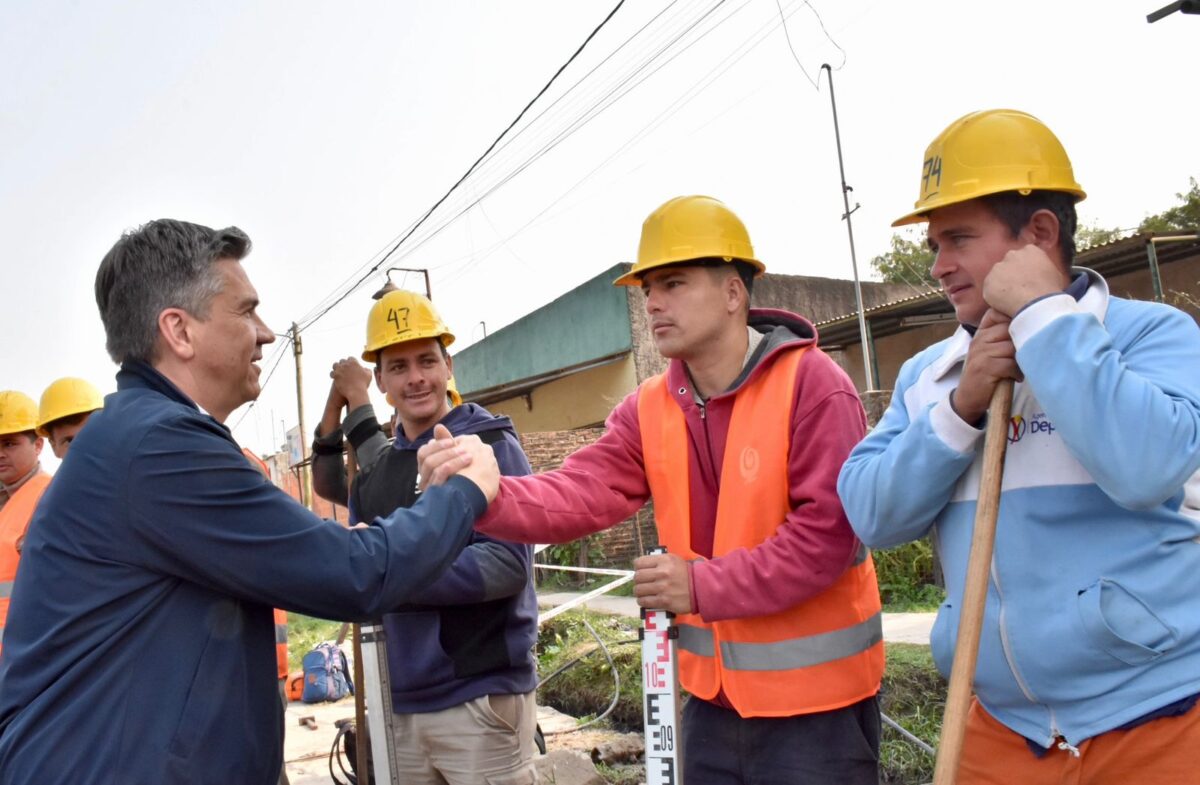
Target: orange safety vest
{"points": [[14, 520], [823, 654], [281, 650]]}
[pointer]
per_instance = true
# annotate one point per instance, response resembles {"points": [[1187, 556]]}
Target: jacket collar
{"points": [[135, 374], [1093, 301]]}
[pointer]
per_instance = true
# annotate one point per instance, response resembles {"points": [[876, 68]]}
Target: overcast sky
{"points": [[324, 130]]}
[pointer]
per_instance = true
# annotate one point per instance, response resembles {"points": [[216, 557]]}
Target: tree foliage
{"points": [[908, 262], [1184, 216]]}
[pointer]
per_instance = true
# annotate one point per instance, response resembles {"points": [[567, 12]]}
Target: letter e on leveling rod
{"points": [[660, 695]]}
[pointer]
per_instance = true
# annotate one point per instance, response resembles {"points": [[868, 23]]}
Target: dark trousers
{"points": [[839, 747]]}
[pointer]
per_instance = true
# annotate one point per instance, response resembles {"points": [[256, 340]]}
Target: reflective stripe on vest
{"points": [[281, 634], [14, 520], [822, 654], [788, 654]]}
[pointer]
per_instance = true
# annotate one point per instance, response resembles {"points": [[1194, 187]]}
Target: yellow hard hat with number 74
{"points": [[989, 152]]}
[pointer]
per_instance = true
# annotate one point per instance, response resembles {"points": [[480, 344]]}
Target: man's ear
{"points": [[450, 363], [736, 297], [379, 378], [174, 332], [1043, 231], [37, 446]]}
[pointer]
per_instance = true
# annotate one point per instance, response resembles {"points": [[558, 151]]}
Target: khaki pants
{"points": [[486, 741]]}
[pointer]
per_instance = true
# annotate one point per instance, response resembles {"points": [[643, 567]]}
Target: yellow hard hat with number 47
{"points": [[401, 316], [989, 152]]}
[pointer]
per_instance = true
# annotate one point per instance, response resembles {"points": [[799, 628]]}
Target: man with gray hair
{"points": [[140, 643]]}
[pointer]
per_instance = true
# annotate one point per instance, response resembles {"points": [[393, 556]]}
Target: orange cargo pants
{"points": [[1161, 752]]}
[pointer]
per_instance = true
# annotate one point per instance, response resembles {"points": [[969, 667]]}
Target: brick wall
{"points": [[620, 544]]}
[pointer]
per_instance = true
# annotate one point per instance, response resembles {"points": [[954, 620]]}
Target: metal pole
{"points": [[362, 732], [305, 474], [1155, 276], [862, 319]]}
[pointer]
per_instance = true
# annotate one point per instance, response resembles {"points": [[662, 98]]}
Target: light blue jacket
{"points": [[1093, 610]]}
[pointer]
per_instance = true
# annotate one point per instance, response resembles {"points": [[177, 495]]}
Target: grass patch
{"points": [[305, 632], [585, 688], [913, 694]]}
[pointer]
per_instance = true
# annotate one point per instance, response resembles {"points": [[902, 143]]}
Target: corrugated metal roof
{"points": [[1111, 258]]}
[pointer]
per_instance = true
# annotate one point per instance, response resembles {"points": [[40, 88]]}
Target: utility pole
{"points": [[305, 470], [862, 319]]}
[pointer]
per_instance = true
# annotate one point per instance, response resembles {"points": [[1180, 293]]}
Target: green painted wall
{"points": [[587, 323]]}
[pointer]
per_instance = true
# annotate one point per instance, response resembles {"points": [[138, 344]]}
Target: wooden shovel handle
{"points": [[362, 734], [975, 589]]}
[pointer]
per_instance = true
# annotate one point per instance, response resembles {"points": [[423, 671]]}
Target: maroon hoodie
{"points": [[605, 482]]}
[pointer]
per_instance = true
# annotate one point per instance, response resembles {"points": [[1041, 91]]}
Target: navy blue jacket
{"points": [[472, 631], [140, 645]]}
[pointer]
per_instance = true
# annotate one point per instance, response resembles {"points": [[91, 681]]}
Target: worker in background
{"points": [[22, 483], [739, 445], [1089, 660], [460, 658], [65, 406], [281, 623], [155, 556]]}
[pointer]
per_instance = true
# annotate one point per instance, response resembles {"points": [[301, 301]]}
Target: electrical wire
{"points": [[816, 83], [279, 352], [722, 67], [611, 97], [377, 261], [473, 166], [612, 666]]}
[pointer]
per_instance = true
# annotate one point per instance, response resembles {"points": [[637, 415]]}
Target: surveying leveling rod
{"points": [[660, 695]]}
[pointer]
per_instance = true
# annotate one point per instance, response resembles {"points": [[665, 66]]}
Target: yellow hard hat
{"points": [[990, 152], [65, 397], [18, 413], [691, 227], [401, 316]]}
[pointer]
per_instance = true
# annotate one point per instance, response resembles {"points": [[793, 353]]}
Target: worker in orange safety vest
{"points": [[22, 483]]}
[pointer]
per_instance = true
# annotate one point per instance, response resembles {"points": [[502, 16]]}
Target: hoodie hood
{"points": [[469, 418], [779, 328]]}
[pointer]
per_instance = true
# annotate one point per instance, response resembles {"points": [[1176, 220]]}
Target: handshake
{"points": [[446, 455]]}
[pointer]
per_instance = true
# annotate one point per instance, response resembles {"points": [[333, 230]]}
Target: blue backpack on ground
{"points": [[325, 674]]}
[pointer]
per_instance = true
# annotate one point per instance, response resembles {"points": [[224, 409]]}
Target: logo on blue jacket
{"points": [[1018, 426]]}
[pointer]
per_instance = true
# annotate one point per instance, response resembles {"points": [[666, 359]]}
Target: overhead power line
{"points": [[277, 355], [667, 28], [471, 169]]}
